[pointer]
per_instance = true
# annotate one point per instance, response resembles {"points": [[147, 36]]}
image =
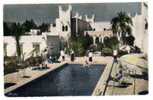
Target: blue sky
{"points": [[48, 12]]}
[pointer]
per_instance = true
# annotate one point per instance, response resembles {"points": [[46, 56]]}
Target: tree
{"points": [[9, 28], [6, 29], [80, 44], [111, 42], [78, 48], [129, 40], [121, 24], [44, 27], [28, 24], [18, 31]]}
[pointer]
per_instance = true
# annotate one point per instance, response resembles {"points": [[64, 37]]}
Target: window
{"points": [[54, 25], [5, 49], [146, 25], [64, 28], [36, 48]]}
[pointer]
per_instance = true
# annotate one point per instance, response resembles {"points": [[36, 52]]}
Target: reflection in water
{"points": [[72, 79]]}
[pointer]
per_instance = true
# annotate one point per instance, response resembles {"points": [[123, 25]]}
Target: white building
{"points": [[62, 25], [66, 25], [32, 45], [140, 28]]}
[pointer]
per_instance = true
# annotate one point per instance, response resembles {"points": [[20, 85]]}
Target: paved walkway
{"points": [[136, 84]]}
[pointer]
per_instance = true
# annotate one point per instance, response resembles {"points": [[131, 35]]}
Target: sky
{"points": [[46, 13]]}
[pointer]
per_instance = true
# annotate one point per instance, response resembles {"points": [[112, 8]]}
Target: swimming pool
{"points": [[69, 80]]}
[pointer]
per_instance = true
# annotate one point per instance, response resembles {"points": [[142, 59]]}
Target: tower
{"points": [[64, 22]]}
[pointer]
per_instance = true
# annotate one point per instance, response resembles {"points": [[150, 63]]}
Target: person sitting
{"points": [[119, 77]]}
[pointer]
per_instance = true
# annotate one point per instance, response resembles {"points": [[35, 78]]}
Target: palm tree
{"points": [[29, 24], [17, 35], [121, 25]]}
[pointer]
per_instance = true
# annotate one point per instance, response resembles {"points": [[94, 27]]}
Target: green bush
{"points": [[78, 48], [121, 53], [79, 45], [34, 61], [99, 46], [111, 42], [10, 65], [107, 52], [10, 68]]}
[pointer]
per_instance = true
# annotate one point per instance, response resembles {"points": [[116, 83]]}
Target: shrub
{"points": [[121, 53], [10, 65], [78, 48], [111, 42], [80, 44], [10, 68], [34, 61], [107, 52]]}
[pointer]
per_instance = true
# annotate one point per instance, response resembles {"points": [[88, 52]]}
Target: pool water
{"points": [[69, 80]]}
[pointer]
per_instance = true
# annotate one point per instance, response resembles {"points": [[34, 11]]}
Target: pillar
{"points": [[99, 39], [102, 39], [94, 40], [118, 36]]}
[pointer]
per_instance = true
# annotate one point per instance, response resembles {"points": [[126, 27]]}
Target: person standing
{"points": [[62, 55], [72, 55], [90, 56], [50, 59], [115, 53]]}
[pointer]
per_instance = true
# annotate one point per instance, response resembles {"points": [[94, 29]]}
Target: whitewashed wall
{"points": [[27, 44], [64, 19], [139, 31], [99, 26]]}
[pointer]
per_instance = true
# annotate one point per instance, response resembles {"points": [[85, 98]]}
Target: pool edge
{"points": [[20, 84], [101, 85]]}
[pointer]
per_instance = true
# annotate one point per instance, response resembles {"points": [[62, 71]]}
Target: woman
{"points": [[62, 55], [90, 56]]}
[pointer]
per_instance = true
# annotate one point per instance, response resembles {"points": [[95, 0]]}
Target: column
{"points": [[102, 39], [94, 40]]}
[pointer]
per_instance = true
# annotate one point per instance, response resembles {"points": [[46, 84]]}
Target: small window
{"points": [[63, 28], [66, 28], [54, 25], [146, 25]]}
